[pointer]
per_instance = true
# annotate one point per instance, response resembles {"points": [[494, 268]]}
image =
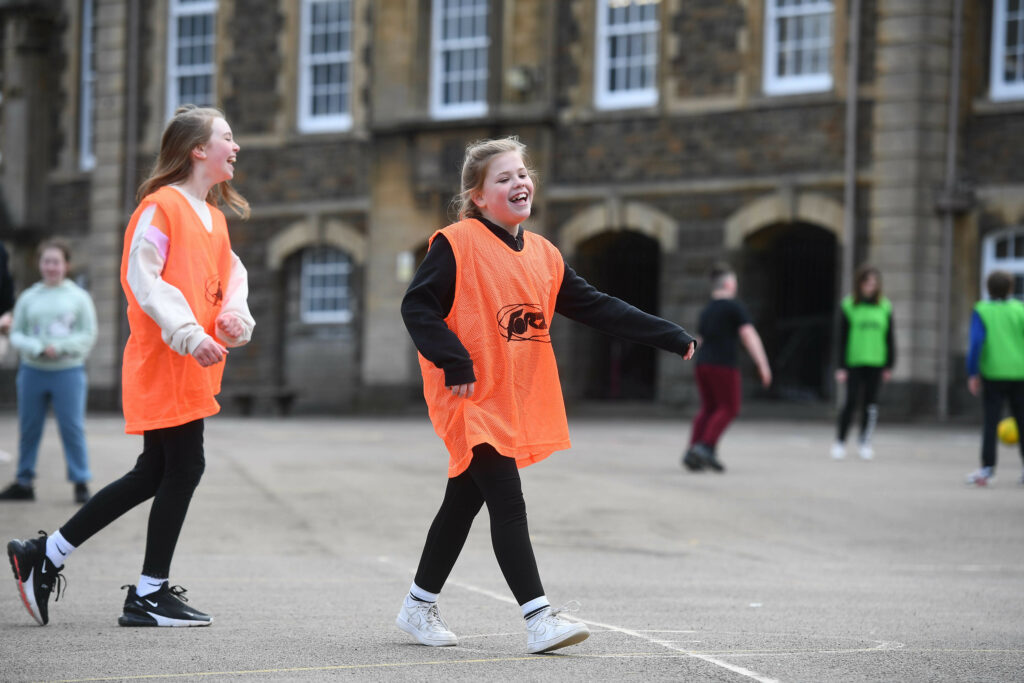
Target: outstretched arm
{"points": [[580, 301]]}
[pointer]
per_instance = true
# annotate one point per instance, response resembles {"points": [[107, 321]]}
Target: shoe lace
{"points": [[179, 592], [434, 618], [60, 583], [567, 608]]}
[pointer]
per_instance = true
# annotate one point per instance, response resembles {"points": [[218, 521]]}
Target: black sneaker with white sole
{"points": [[165, 607], [37, 577]]}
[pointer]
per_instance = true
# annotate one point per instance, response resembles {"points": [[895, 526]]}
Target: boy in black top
{"points": [[722, 322]]}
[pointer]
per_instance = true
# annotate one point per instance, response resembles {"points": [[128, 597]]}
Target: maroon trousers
{"points": [[719, 388]]}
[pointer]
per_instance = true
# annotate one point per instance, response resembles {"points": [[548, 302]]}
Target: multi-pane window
{"points": [[1008, 50], [1004, 251], [798, 46], [325, 82], [460, 43], [627, 53], [86, 87], [326, 293], [190, 53]]}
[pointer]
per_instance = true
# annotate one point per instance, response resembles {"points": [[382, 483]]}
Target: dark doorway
{"points": [[626, 265], [788, 281]]}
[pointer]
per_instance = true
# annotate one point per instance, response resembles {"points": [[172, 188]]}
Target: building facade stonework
{"points": [[667, 134]]}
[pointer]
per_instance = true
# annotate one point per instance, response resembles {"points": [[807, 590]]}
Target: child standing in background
{"points": [[995, 366], [479, 311], [867, 352], [54, 329]]}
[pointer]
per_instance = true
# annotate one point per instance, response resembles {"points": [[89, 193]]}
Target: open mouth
{"points": [[520, 197]]}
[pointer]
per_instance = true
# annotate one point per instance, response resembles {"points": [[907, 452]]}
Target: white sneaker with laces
{"points": [[866, 452], [981, 476], [838, 450], [423, 622], [549, 631]]}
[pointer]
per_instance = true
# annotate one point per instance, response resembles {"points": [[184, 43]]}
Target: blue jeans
{"points": [[66, 391]]}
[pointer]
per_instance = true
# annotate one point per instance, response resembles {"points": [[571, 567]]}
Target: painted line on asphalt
{"points": [[760, 678]]}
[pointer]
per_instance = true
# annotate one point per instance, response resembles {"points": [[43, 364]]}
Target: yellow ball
{"points": [[1007, 431]]}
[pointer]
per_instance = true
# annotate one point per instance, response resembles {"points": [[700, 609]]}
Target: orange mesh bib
{"points": [[159, 387], [504, 302]]}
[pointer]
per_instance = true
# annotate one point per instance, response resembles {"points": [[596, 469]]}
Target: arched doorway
{"points": [[627, 265], [788, 281]]}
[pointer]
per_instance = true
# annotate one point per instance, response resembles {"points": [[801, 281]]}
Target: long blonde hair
{"points": [[478, 158], [190, 127]]}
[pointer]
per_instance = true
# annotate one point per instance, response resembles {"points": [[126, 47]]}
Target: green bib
{"points": [[1002, 354], [869, 326]]}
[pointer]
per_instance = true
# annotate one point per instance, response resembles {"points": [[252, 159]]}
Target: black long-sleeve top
{"points": [[430, 296]]}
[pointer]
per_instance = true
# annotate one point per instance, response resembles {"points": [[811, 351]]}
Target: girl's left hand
{"points": [[463, 390], [690, 351], [886, 375], [230, 325]]}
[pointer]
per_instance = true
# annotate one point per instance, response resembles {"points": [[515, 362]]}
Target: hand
{"points": [[209, 352], [840, 375], [766, 377], [230, 325], [974, 385], [692, 349], [886, 375], [5, 323], [463, 390], [50, 352]]}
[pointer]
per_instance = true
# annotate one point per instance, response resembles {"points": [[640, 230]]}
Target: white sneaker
{"points": [[838, 450], [423, 622], [981, 476], [866, 452], [549, 631]]}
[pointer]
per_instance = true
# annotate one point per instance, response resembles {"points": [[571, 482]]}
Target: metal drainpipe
{"points": [[850, 160], [947, 207]]}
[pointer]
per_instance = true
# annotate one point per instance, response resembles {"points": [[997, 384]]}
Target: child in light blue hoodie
{"points": [[54, 329]]}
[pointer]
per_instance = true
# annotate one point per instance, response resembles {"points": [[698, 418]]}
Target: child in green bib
{"points": [[995, 366], [867, 352]]}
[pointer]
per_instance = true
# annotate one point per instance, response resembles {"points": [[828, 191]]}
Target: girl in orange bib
{"points": [[186, 294], [479, 311]]}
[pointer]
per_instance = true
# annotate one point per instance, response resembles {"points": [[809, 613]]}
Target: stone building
{"points": [[667, 134]]}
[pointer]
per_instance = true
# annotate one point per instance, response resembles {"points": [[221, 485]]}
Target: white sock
{"points": [[58, 549], [422, 595], [148, 584], [534, 605]]}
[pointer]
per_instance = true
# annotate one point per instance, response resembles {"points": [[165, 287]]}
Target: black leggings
{"points": [[994, 394], [859, 380], [168, 471], [493, 479]]}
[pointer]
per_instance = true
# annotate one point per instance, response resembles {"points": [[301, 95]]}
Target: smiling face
{"points": [[218, 154], [506, 196], [53, 266]]}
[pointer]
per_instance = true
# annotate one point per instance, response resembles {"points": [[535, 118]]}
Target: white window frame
{"points": [[1011, 264], [176, 10], [308, 122], [1000, 89], [774, 84], [604, 97], [439, 47], [86, 88], [310, 292]]}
